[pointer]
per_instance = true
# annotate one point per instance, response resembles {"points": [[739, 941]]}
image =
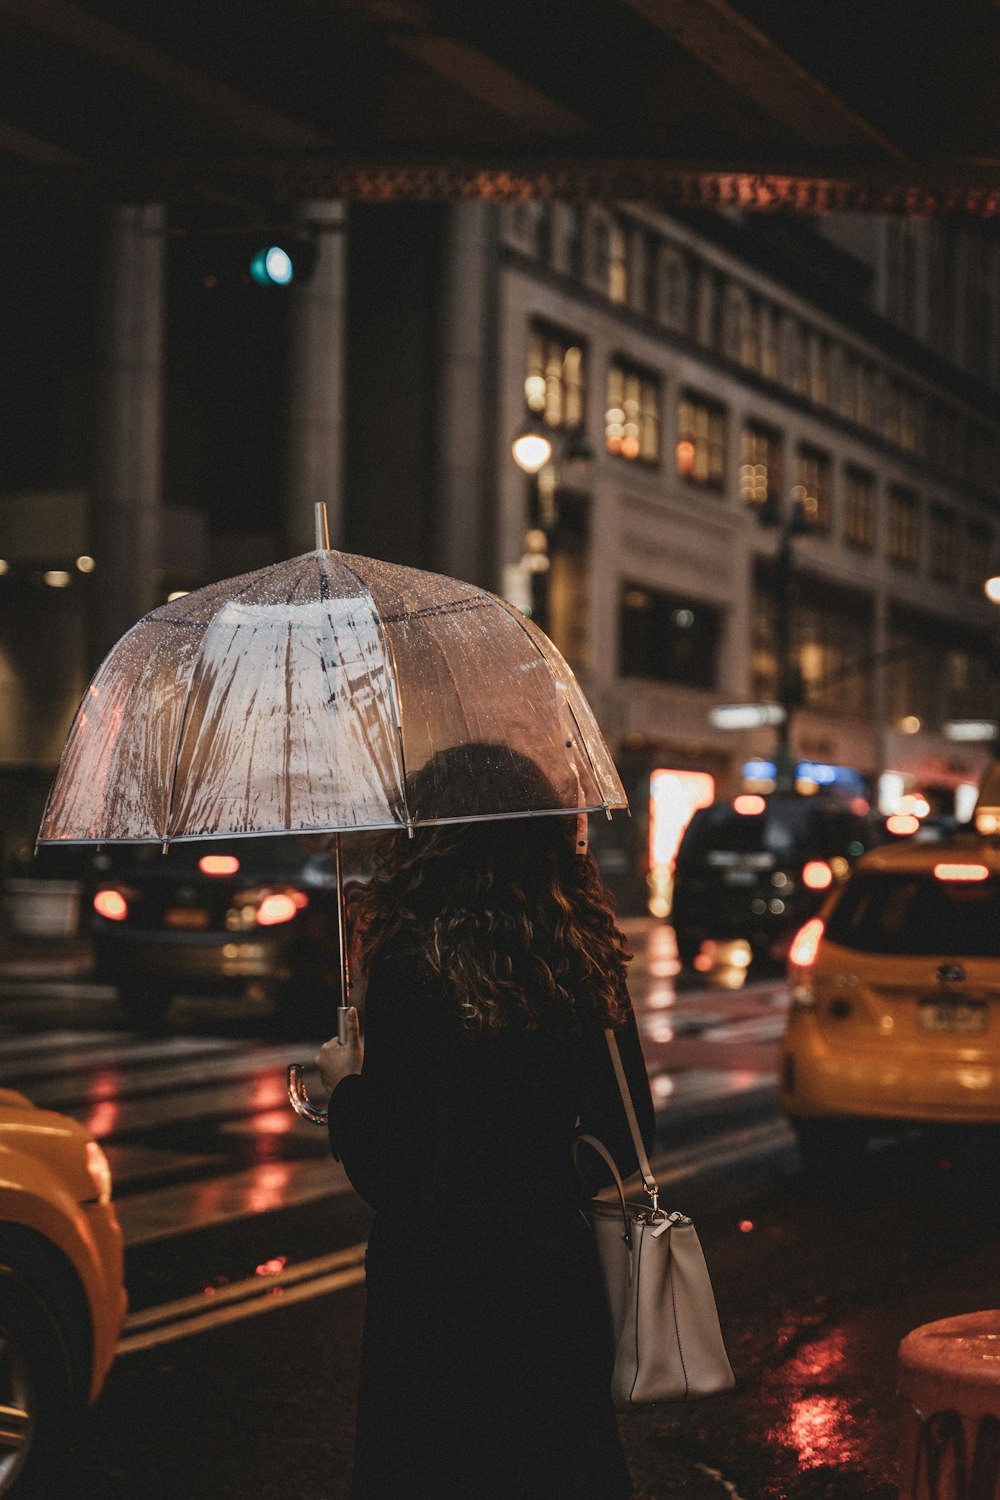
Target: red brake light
{"points": [[817, 875], [902, 823], [805, 944], [112, 905], [961, 872], [749, 805], [218, 864], [280, 906]]}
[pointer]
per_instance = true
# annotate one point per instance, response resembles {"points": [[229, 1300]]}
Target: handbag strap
{"points": [[648, 1180]]}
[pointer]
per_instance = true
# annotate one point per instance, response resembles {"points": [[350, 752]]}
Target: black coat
{"points": [[486, 1352]]}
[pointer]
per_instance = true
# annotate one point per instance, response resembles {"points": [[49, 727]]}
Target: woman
{"points": [[493, 966]]}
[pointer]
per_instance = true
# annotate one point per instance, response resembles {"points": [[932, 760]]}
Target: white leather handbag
{"points": [[668, 1343]]}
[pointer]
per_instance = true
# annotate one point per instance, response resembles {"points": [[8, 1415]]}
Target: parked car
{"points": [[754, 868], [255, 915], [895, 991], [62, 1294]]}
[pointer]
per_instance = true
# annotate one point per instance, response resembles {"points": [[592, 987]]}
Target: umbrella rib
{"points": [[515, 614], [168, 812], [393, 681]]}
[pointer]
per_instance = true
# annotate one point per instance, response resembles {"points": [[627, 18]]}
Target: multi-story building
{"points": [[699, 375]]}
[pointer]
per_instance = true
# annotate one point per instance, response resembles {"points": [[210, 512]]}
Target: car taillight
{"points": [[805, 944], [112, 905], [902, 824], [218, 864], [961, 872], [817, 875], [749, 805], [280, 906]]}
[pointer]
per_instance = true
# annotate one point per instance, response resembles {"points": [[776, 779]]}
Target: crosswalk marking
{"points": [[198, 1129]]}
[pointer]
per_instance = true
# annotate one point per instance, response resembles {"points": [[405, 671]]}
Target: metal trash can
{"points": [[949, 1378]]}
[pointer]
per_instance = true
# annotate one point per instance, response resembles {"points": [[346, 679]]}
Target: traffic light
{"points": [[283, 262], [225, 260]]}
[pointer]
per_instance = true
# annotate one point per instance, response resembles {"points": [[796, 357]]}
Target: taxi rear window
{"points": [[786, 830], [918, 914]]}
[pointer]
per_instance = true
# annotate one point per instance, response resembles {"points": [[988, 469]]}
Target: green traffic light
{"points": [[272, 266]]}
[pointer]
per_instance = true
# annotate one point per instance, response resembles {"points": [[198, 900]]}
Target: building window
{"points": [[910, 433], [859, 508], [770, 358], [554, 382], [829, 645], [890, 411], [813, 487], [668, 638], [610, 262], [904, 527], [701, 442], [672, 289], [866, 396], [849, 381], [796, 358], [760, 465], [820, 373], [944, 544], [632, 420], [531, 224], [978, 556]]}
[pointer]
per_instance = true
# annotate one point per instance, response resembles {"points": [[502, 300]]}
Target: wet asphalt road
{"points": [[815, 1293], [816, 1285]]}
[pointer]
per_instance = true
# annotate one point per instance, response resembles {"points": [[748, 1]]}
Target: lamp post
{"points": [[790, 523], [539, 452]]}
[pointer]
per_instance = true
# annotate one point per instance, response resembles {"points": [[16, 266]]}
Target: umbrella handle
{"points": [[299, 1099]]}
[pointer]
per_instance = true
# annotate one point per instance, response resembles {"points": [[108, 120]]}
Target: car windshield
{"points": [[786, 830], [918, 914]]}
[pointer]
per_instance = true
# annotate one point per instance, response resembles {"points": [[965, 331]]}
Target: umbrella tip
{"points": [[322, 528]]}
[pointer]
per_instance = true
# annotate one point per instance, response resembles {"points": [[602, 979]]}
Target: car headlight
{"points": [[100, 1172]]}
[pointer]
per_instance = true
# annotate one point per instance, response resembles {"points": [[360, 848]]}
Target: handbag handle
{"points": [[603, 1151], [648, 1180]]}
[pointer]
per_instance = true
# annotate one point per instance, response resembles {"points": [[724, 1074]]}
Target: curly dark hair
{"points": [[518, 925]]}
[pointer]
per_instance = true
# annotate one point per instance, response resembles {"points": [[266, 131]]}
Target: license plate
{"points": [[188, 917], [953, 1015], [739, 877]]}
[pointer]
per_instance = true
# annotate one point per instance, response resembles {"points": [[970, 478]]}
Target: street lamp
{"points": [[542, 453], [790, 523]]}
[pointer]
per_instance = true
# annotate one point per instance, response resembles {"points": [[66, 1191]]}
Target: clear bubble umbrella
{"points": [[310, 697]]}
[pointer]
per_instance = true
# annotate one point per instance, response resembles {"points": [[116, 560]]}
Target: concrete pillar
{"points": [[315, 426], [128, 480], [466, 445]]}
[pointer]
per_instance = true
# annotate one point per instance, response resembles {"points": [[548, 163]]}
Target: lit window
{"points": [[632, 419], [701, 445], [812, 487], [849, 382], [859, 508], [554, 379], [819, 373], [760, 465], [610, 256]]}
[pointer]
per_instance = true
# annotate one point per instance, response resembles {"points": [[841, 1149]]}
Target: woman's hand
{"points": [[337, 1059]]}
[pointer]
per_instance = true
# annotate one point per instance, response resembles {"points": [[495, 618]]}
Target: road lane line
{"points": [[258, 1293]]}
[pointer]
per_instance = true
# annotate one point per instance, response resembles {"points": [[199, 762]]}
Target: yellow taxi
{"points": [[62, 1293], [895, 999]]}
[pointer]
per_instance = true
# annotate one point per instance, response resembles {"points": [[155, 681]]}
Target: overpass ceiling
{"points": [[751, 103]]}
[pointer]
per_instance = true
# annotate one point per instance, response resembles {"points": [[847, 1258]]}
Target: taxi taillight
{"points": [[805, 944], [817, 875], [111, 905], [946, 871], [280, 906]]}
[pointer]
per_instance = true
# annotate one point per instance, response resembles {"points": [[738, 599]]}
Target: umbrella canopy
{"points": [[317, 695]]}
